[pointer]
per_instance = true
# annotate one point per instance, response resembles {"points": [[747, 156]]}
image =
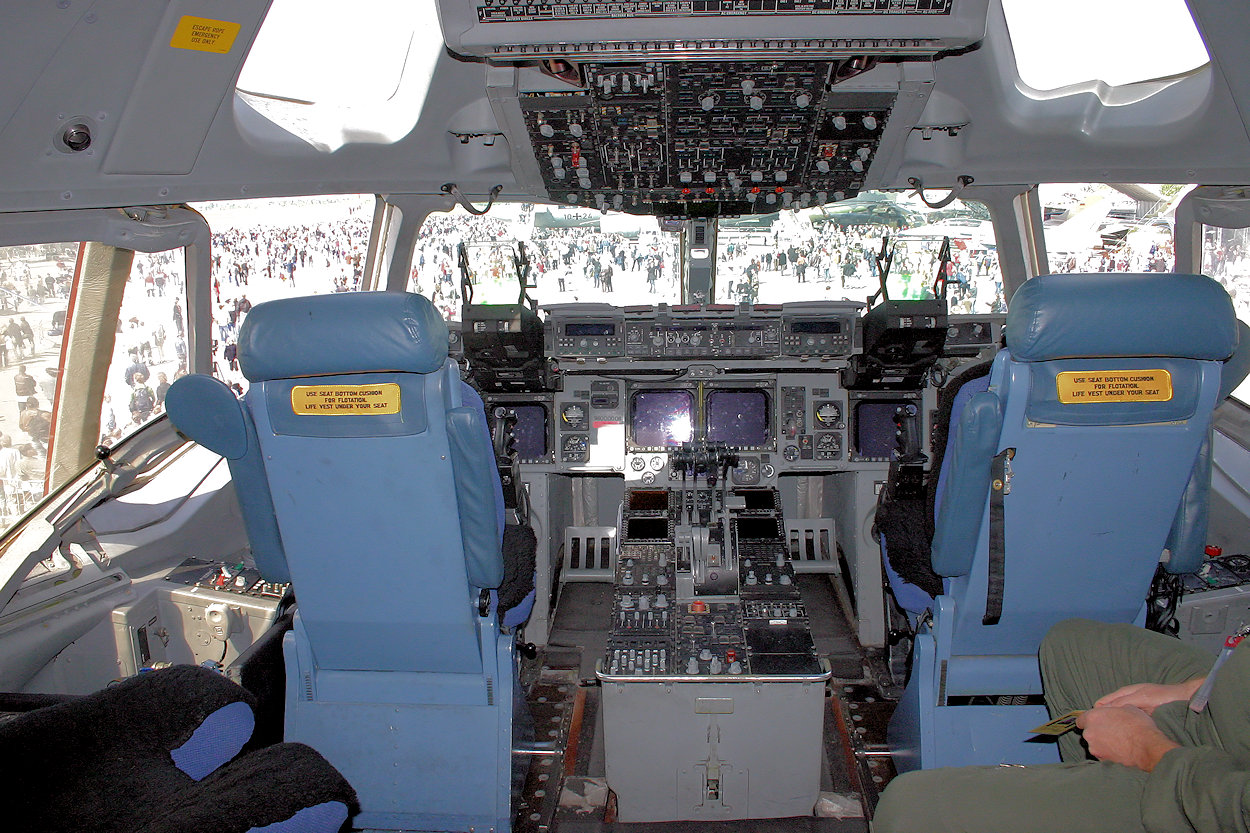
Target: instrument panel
{"points": [[766, 381], [821, 328]]}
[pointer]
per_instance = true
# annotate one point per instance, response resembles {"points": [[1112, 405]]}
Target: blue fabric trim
{"points": [[1238, 364], [327, 817], [215, 741], [474, 469], [519, 615], [963, 508], [1069, 316], [911, 599], [965, 393], [207, 411], [351, 332], [470, 397], [1188, 536]]}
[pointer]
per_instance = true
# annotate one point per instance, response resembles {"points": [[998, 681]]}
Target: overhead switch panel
{"points": [[705, 138]]}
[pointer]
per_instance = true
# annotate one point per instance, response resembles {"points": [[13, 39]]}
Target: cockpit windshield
{"points": [[577, 255]]}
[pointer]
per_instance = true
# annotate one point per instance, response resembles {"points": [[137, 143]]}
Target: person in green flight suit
{"points": [[1148, 756]]}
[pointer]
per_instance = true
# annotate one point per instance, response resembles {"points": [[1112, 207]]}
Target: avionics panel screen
{"points": [[830, 327], [648, 499], [661, 418], [758, 528], [875, 430], [639, 528], [589, 329], [738, 417], [530, 431]]}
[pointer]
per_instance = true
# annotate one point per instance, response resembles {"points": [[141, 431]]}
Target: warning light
{"points": [[685, 191], [698, 606], [779, 189], [755, 189], [710, 191]]}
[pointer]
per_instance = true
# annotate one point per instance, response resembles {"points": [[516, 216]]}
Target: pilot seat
{"points": [[364, 467], [1065, 478]]}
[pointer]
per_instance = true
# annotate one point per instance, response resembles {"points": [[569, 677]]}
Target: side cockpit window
{"points": [[34, 297], [1226, 257], [150, 350], [1110, 228]]}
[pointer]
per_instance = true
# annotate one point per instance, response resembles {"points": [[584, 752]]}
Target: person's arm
{"points": [[1149, 696]]}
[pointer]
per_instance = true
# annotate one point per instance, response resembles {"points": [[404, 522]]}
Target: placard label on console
{"points": [[1078, 386], [335, 400]]}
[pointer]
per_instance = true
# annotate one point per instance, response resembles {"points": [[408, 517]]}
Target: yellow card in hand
{"points": [[1060, 725]]}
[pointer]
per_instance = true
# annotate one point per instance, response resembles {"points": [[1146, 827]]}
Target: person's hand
{"points": [[1124, 735], [1149, 696]]}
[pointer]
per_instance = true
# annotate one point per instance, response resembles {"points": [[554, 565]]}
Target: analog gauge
{"points": [[648, 478], [767, 471], [828, 446], [657, 463], [747, 472], [574, 416], [637, 464], [791, 453], [828, 414]]}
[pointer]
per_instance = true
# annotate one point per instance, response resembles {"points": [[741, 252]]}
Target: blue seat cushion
{"points": [[329, 335], [1068, 316]]}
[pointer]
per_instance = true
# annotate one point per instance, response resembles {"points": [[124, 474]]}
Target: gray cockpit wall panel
{"points": [[103, 62]]}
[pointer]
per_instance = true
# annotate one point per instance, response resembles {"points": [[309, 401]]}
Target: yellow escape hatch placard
{"points": [[204, 34], [334, 400], [1076, 386]]}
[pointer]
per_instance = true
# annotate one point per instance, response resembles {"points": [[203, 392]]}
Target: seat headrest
{"points": [[349, 332], [1121, 314]]}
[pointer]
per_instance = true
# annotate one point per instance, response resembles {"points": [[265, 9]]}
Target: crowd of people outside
{"points": [[34, 291]]}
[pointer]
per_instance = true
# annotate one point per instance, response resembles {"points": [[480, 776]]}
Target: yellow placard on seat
{"points": [[336, 400], [204, 34], [1078, 386]]}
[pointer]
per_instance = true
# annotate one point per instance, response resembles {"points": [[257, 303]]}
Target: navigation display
{"points": [[738, 417], [530, 431], [876, 434], [660, 418]]}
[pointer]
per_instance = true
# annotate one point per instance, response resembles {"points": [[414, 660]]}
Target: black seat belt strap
{"points": [[1000, 485]]}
